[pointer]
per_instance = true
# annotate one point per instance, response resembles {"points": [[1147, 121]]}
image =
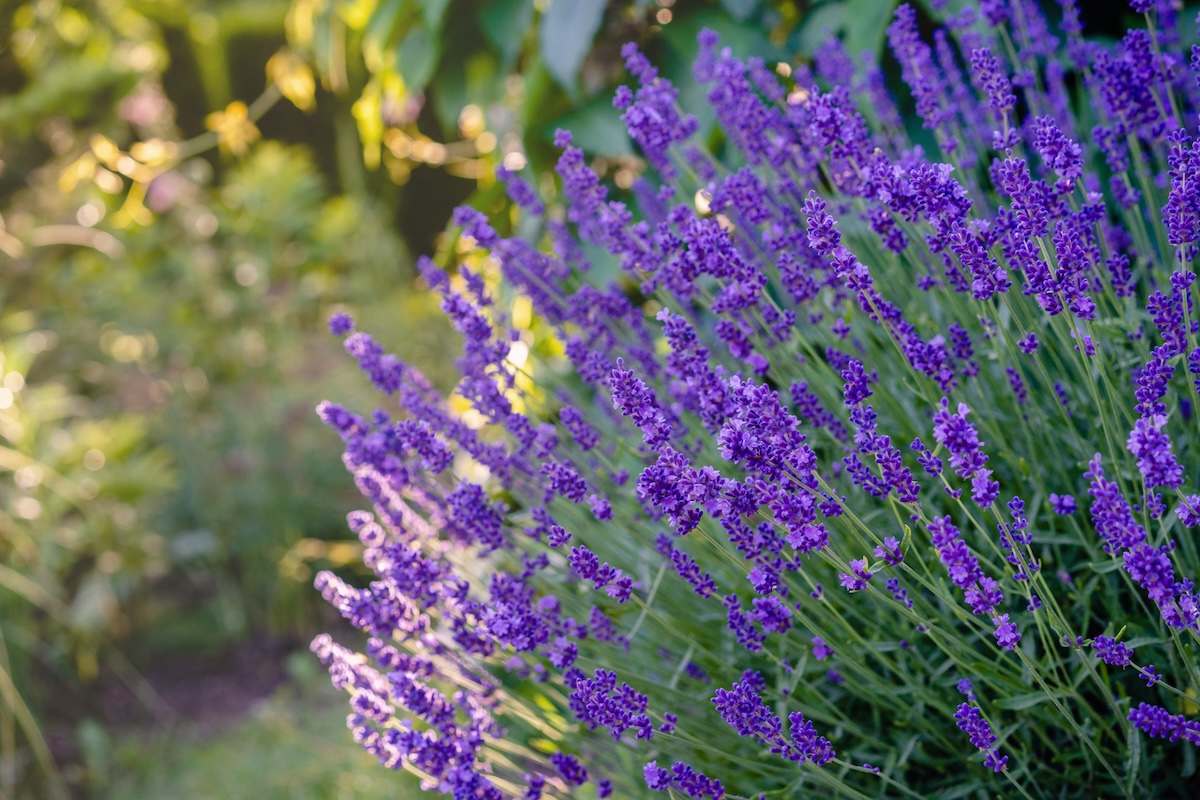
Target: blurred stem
{"points": [[349, 156], [11, 700], [8, 736]]}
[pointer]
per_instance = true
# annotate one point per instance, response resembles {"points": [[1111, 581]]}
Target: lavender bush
{"points": [[866, 470]]}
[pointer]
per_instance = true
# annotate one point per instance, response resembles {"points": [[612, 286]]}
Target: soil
{"points": [[206, 692]]}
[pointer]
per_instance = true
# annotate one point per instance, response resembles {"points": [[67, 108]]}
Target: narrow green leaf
{"points": [[1027, 700], [1133, 765]]}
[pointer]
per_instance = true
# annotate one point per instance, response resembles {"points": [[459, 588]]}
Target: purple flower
{"points": [[859, 577], [1111, 514], [598, 702], [1017, 384], [1058, 153], [918, 69], [991, 77], [1029, 206], [569, 767], [340, 324], [983, 596], [1179, 214], [1152, 448], [890, 551], [651, 114], [743, 709], [1063, 504], [634, 399], [1158, 722], [1006, 632], [657, 778], [967, 458], [695, 784], [808, 744], [1188, 511], [836, 253], [857, 386], [820, 650], [1110, 651], [971, 722]]}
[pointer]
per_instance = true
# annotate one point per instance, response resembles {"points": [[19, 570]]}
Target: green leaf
{"points": [[740, 9], [866, 25], [504, 23], [416, 57], [680, 38], [1132, 766], [1027, 700], [544, 101], [451, 94], [433, 12], [1140, 641], [597, 128], [565, 37], [382, 25], [862, 24], [820, 24]]}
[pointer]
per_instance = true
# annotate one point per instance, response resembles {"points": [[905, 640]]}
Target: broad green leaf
{"points": [[545, 101], [433, 12], [680, 37], [744, 40], [565, 37], [382, 25], [451, 94], [740, 9], [416, 57], [597, 128], [862, 24], [504, 23], [820, 24], [866, 25]]}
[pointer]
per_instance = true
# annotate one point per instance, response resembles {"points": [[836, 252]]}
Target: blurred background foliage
{"points": [[188, 188]]}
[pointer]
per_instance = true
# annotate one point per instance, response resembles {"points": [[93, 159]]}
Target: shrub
{"points": [[824, 463]]}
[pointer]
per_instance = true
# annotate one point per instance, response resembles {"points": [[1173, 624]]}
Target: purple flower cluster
{"points": [[971, 722], [1150, 567], [1110, 651], [1158, 722], [743, 709], [967, 458], [598, 702], [683, 779], [727, 354]]}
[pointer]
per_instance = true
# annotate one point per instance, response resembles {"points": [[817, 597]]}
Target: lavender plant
{"points": [[871, 471]]}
